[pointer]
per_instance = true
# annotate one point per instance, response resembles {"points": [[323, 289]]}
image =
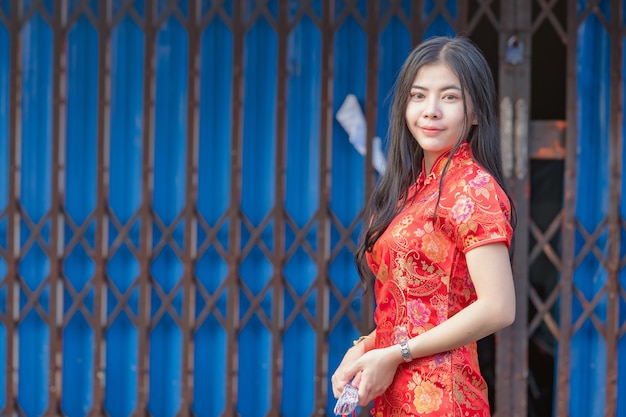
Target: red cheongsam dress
{"points": [[422, 280]]}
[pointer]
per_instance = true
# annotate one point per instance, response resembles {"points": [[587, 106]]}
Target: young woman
{"points": [[437, 241]]}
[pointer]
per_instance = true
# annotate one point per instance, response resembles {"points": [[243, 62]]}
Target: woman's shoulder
{"points": [[467, 177], [470, 170]]}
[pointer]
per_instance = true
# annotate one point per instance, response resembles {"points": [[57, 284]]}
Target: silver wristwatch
{"points": [[404, 350]]}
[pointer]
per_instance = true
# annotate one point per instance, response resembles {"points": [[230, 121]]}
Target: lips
{"points": [[430, 130]]}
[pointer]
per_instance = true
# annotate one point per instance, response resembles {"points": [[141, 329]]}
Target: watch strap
{"points": [[405, 351]]}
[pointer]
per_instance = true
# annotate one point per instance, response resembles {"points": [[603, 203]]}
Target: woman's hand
{"points": [[340, 378], [375, 371]]}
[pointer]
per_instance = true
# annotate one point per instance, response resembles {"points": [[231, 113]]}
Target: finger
{"points": [[364, 395], [338, 385], [357, 379], [365, 391], [351, 371], [337, 390]]}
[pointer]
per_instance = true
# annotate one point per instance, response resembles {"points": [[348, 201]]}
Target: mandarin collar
{"points": [[440, 163]]}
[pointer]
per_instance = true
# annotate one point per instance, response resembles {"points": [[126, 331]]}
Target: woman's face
{"points": [[434, 113]]}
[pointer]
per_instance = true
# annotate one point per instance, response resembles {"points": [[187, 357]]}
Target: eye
{"points": [[416, 95], [450, 97]]}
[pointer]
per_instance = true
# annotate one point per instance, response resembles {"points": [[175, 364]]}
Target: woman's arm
{"points": [[361, 346], [490, 270]]}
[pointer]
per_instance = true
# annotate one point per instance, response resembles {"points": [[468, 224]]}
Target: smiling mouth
{"points": [[430, 130]]}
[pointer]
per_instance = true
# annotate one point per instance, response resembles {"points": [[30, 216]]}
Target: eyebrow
{"points": [[449, 87]]}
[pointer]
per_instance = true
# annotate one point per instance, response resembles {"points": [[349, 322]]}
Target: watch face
{"points": [[406, 353]]}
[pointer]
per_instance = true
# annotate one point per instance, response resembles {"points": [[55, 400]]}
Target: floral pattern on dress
{"points": [[422, 280], [427, 397]]}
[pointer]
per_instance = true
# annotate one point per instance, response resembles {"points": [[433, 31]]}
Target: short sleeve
{"points": [[478, 212]]}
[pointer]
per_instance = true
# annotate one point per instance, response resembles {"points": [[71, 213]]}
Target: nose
{"points": [[431, 109]]}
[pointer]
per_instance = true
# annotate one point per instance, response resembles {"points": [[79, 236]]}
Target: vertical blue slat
{"points": [[257, 200], [350, 71], [35, 197], [36, 117], [304, 58], [127, 72], [439, 26], [347, 193], [350, 58], [169, 200], [621, 344], [5, 53], [588, 348], [81, 191], [394, 46], [259, 141], [213, 198]]}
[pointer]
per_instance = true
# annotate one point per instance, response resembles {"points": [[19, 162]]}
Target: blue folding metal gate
{"points": [[179, 205]]}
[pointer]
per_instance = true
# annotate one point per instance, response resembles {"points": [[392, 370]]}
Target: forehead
{"points": [[436, 75]]}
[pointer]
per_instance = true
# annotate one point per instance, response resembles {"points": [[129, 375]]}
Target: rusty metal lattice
{"points": [[143, 236]]}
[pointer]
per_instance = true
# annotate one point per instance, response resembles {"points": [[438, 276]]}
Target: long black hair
{"points": [[404, 160]]}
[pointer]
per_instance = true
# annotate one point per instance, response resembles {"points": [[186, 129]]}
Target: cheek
{"points": [[410, 113]]}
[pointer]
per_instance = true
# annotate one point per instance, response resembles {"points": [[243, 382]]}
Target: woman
{"points": [[437, 242]]}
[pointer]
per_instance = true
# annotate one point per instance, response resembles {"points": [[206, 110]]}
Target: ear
{"points": [[475, 121]]}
